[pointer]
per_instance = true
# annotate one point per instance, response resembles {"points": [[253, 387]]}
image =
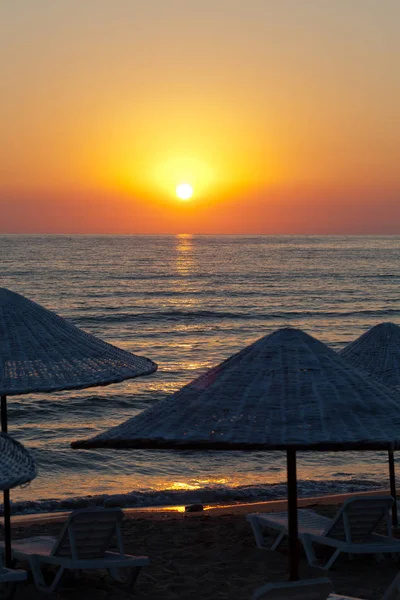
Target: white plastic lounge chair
{"points": [[392, 593], [315, 589], [351, 530], [307, 520], [308, 589], [82, 545]]}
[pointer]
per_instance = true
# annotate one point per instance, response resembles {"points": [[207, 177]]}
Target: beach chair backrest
{"points": [[308, 589], [358, 518], [393, 591], [88, 533]]}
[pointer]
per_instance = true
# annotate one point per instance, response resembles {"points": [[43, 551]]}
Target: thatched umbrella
{"points": [[42, 352], [16, 468], [287, 391], [377, 353], [16, 464]]}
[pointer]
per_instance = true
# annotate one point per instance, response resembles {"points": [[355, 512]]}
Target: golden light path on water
{"points": [[184, 257]]}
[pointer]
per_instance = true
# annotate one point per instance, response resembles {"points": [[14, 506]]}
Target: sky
{"points": [[282, 115]]}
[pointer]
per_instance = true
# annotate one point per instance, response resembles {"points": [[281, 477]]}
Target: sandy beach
{"points": [[207, 555]]}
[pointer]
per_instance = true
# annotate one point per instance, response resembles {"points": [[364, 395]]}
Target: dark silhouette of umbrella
{"points": [[42, 352], [16, 468], [377, 353], [287, 391], [16, 463]]}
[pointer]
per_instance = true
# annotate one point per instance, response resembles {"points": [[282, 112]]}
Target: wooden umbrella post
{"points": [[392, 477], [292, 515], [6, 494]]}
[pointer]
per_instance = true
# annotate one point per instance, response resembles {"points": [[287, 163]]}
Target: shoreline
{"points": [[214, 510]]}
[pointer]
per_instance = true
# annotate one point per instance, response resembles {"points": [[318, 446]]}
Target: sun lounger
{"points": [[392, 593], [82, 545], [351, 530], [308, 520], [308, 589], [314, 589]]}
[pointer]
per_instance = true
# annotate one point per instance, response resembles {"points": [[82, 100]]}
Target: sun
{"points": [[184, 191]]}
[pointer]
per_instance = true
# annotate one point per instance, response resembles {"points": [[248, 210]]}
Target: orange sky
{"points": [[284, 116]]}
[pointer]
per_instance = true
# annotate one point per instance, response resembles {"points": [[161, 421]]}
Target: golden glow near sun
{"points": [[184, 191], [166, 176]]}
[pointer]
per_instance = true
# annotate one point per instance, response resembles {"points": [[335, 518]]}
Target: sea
{"points": [[188, 302]]}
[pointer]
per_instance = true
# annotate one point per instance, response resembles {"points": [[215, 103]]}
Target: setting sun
{"points": [[184, 191]]}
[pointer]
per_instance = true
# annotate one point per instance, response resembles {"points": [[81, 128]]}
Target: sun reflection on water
{"points": [[195, 484], [180, 485], [184, 254]]}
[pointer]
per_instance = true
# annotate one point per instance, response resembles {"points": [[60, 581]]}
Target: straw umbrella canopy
{"points": [[16, 464], [42, 352], [287, 391], [377, 353], [16, 468]]}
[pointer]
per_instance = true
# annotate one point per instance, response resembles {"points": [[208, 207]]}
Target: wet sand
{"points": [[204, 556]]}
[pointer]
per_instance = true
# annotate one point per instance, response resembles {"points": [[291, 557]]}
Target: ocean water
{"points": [[188, 302]]}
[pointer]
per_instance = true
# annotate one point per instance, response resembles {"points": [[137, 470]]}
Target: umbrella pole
{"points": [[292, 515], [392, 477], [6, 494]]}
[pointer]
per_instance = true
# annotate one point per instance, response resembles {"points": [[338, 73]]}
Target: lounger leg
{"points": [[36, 572], [39, 579], [260, 538], [278, 541], [130, 580], [332, 559], [312, 559], [258, 534], [309, 550]]}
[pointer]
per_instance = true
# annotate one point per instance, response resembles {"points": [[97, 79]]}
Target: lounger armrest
{"points": [[340, 597], [356, 547], [11, 575]]}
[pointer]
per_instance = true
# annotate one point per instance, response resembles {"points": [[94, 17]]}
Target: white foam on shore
{"points": [[206, 495]]}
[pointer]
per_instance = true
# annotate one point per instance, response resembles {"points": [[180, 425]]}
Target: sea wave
{"points": [[206, 495], [47, 408], [201, 315]]}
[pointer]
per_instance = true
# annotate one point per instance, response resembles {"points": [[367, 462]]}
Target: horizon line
{"points": [[159, 234]]}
